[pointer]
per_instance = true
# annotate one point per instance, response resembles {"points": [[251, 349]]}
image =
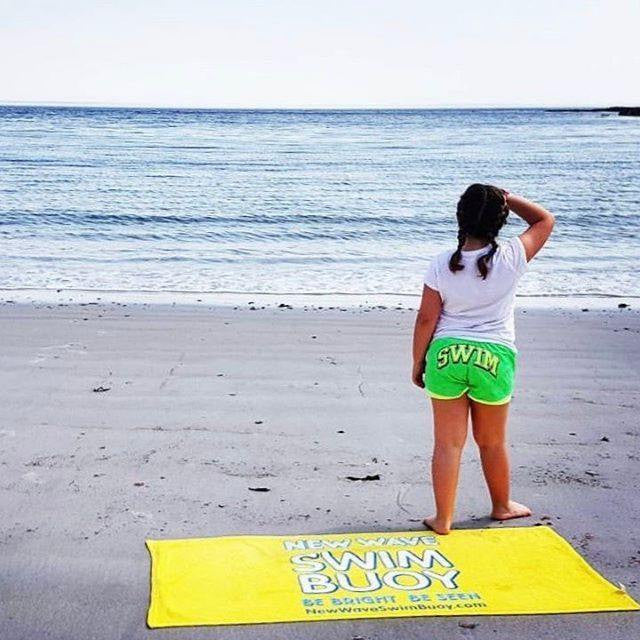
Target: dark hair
{"points": [[481, 213]]}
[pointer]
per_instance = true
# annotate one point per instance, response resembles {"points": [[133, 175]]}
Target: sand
{"points": [[122, 422]]}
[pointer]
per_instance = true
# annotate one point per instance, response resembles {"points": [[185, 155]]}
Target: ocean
{"points": [[304, 202]]}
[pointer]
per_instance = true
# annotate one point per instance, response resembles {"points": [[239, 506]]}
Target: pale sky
{"points": [[298, 53]]}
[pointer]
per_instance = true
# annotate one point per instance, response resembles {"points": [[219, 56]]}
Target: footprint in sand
{"points": [[50, 351]]}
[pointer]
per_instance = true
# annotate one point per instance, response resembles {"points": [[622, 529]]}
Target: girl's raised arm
{"points": [[540, 223]]}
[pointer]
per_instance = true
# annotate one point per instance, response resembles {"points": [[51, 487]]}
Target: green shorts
{"points": [[485, 371]]}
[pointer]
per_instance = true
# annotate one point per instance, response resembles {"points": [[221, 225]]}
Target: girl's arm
{"points": [[540, 223], [426, 321]]}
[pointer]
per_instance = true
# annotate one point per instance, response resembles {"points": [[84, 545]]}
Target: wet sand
{"points": [[122, 422]]}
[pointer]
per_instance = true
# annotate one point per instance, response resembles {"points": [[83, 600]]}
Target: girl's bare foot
{"points": [[439, 526], [512, 510]]}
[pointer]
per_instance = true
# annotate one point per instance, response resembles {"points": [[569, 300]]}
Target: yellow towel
{"points": [[250, 579]]}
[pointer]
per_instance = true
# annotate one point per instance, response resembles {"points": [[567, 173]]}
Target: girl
{"points": [[463, 343]]}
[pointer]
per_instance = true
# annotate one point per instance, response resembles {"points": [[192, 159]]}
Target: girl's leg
{"points": [[450, 419], [489, 431]]}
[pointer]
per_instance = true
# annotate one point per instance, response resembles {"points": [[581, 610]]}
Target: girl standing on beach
{"points": [[463, 346]]}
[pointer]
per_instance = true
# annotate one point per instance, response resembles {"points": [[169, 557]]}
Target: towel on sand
{"points": [[251, 579]]}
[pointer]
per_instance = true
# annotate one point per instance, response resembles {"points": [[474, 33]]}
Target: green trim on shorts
{"points": [[437, 397], [498, 403], [485, 371]]}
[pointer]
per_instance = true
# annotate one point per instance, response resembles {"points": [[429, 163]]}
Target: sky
{"points": [[320, 54]]}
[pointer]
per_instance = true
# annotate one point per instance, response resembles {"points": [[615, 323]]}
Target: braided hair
{"points": [[481, 213]]}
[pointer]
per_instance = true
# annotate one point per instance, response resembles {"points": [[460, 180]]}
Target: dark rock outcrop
{"points": [[621, 111]]}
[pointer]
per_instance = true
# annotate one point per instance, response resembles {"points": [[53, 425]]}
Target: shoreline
{"points": [[315, 300]]}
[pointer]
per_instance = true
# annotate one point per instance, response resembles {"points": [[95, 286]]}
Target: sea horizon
{"points": [[435, 107]]}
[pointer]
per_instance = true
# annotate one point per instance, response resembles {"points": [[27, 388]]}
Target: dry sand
{"points": [[200, 404]]}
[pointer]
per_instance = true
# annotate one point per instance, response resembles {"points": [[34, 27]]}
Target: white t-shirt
{"points": [[474, 308]]}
